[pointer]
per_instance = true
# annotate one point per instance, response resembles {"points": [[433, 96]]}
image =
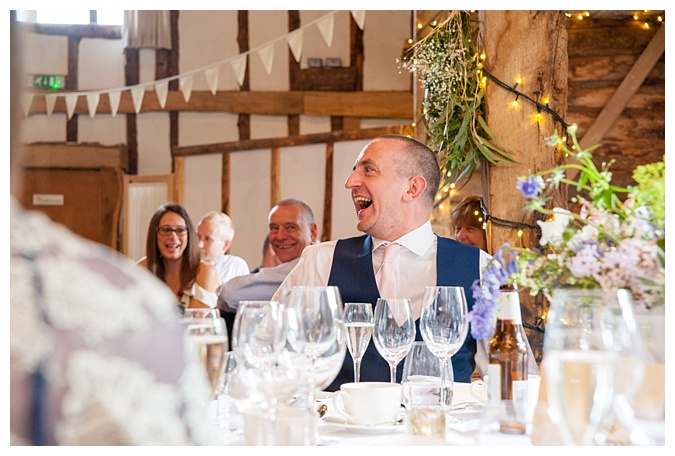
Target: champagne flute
{"points": [[443, 325], [393, 331], [207, 342], [358, 318]]}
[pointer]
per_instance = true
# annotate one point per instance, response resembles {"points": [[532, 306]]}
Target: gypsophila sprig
{"points": [[449, 67]]}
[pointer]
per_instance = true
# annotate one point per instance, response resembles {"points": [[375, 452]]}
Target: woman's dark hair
{"points": [[190, 258], [469, 212]]}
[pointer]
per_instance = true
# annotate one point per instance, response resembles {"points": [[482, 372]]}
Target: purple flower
{"points": [[486, 293], [531, 186]]}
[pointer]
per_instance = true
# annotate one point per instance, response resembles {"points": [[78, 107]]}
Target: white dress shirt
{"points": [[231, 266]]}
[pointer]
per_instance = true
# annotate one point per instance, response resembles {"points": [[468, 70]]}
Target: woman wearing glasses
{"points": [[172, 254]]}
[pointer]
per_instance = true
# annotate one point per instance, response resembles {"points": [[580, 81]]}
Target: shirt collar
{"points": [[417, 241]]}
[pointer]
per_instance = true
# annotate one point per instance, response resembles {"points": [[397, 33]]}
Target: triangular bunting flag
{"points": [[267, 56], [137, 96], [359, 17], [326, 26], [239, 67], [212, 78], [114, 98], [185, 84], [50, 101], [26, 101], [162, 89], [92, 103], [71, 101], [295, 43]]}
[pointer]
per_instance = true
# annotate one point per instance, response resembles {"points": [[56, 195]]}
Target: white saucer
{"points": [[361, 428]]}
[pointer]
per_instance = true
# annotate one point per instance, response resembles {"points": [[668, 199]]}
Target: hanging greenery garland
{"points": [[449, 66]]}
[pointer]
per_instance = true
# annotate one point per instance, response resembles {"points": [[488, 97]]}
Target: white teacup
{"points": [[368, 403]]}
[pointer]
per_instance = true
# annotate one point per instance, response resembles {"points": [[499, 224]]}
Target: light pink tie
{"points": [[386, 276]]}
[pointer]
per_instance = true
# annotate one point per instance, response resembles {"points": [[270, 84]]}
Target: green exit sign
{"points": [[48, 81]]}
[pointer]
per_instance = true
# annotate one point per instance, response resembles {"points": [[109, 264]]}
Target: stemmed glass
{"points": [[393, 331], [263, 362], [358, 318], [443, 325], [207, 342], [315, 331]]}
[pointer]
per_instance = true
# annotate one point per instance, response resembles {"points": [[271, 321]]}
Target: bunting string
{"points": [[265, 52]]}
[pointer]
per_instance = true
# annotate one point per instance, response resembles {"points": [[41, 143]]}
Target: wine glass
{"points": [[314, 330], [207, 342], [263, 362], [443, 324], [237, 317], [393, 331], [358, 318], [421, 378]]}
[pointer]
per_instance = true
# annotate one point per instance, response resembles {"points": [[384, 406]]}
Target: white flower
{"points": [[552, 231]]}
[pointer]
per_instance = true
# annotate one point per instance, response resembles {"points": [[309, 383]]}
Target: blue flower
{"points": [[486, 293], [531, 186]]}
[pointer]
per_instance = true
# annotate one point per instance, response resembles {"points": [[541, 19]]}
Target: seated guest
{"points": [[172, 254], [468, 222], [269, 258], [291, 229], [393, 187], [215, 231]]}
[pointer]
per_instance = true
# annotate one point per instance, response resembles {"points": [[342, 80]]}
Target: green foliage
{"points": [[449, 67], [651, 190]]}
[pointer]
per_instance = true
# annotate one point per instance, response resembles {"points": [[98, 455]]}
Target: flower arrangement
{"points": [[609, 244], [449, 67]]}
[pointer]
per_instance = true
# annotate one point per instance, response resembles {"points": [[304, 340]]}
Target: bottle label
{"points": [[509, 307], [494, 381], [519, 391]]}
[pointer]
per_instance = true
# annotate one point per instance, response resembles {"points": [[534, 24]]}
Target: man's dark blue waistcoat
{"points": [[457, 264]]}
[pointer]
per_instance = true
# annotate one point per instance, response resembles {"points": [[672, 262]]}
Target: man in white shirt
{"points": [[215, 232], [291, 229], [393, 187]]}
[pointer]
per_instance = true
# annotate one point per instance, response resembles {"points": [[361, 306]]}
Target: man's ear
{"points": [[227, 246], [416, 187], [314, 230]]}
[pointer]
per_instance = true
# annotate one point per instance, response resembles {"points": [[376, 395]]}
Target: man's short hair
{"points": [[223, 223]]}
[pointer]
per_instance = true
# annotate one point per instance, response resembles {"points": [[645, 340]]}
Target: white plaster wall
{"points": [[384, 37], [104, 129], [250, 196], [154, 147], [96, 72], [208, 37]]}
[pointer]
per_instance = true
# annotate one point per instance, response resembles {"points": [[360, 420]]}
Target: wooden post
{"points": [[531, 45]]}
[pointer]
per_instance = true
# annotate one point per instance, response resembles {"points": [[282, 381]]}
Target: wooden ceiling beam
{"points": [[390, 105]]}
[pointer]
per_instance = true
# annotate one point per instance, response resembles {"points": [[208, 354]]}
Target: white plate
{"points": [[362, 428]]}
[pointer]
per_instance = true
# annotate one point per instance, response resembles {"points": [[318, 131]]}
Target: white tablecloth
{"points": [[462, 428]]}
